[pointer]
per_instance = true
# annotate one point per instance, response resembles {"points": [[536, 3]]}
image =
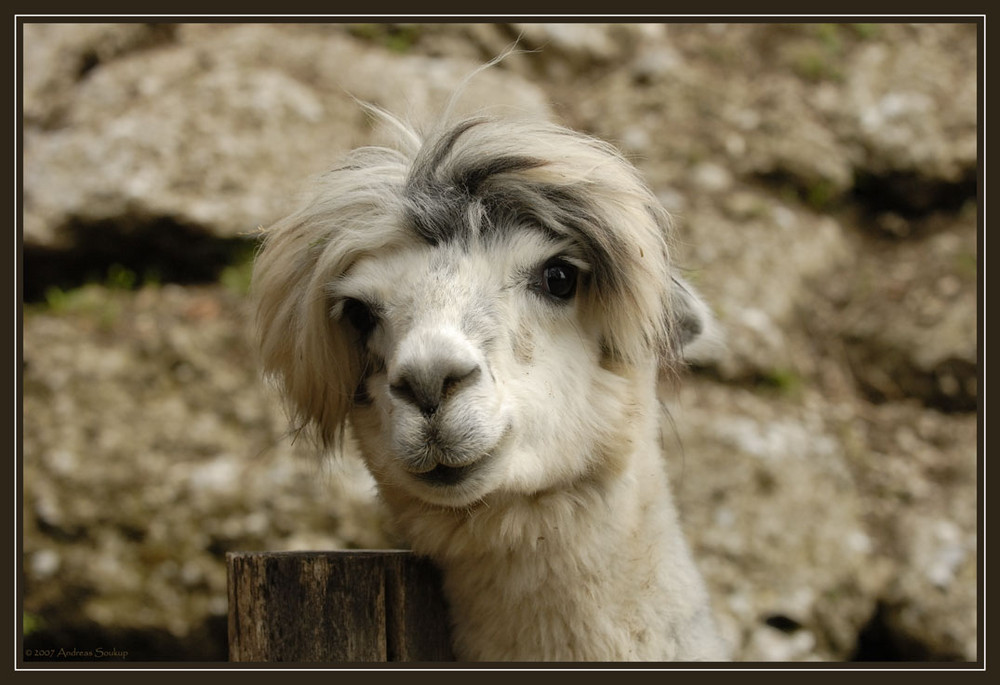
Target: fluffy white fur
{"points": [[513, 433]]}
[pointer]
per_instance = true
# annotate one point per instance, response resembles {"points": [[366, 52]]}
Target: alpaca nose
{"points": [[430, 368], [426, 385]]}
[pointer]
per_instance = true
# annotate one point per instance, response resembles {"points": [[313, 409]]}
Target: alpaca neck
{"points": [[574, 573]]}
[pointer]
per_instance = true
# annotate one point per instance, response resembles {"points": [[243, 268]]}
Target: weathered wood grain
{"points": [[343, 606]]}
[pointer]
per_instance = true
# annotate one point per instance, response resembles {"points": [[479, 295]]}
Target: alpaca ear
{"points": [[692, 323]]}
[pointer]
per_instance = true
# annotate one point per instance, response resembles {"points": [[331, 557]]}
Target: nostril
{"points": [[423, 393], [457, 377], [427, 387], [402, 389]]}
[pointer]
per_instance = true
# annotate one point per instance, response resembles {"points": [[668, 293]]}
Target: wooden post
{"points": [[345, 606]]}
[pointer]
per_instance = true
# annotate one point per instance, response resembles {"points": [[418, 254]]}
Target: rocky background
{"points": [[823, 181]]}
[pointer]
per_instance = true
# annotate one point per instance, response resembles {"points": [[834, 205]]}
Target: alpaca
{"points": [[489, 306]]}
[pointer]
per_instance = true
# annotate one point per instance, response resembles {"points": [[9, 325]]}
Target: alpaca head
{"points": [[487, 306]]}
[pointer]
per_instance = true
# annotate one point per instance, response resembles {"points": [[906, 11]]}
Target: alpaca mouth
{"points": [[447, 475], [451, 467]]}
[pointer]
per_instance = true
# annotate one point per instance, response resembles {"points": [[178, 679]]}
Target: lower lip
{"points": [[446, 475]]}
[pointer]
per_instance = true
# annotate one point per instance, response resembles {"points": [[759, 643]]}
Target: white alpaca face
{"points": [[479, 306], [479, 372]]}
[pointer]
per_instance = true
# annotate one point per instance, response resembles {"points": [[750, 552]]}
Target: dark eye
{"points": [[559, 278], [359, 315]]}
